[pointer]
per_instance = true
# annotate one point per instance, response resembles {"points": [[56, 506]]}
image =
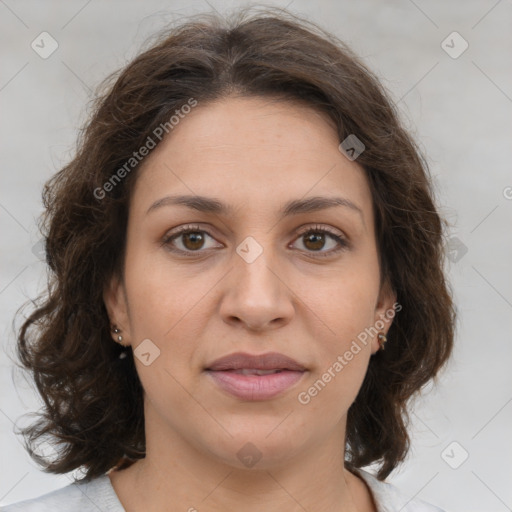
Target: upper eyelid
{"points": [[319, 227], [301, 231]]}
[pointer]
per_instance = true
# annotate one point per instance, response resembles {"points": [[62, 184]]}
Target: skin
{"points": [[253, 154]]}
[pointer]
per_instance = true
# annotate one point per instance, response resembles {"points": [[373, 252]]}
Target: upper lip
{"points": [[268, 361]]}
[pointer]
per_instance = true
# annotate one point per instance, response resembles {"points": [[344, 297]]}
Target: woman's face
{"points": [[263, 269]]}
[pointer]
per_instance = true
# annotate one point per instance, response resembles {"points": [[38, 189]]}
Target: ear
{"points": [[116, 303], [384, 312]]}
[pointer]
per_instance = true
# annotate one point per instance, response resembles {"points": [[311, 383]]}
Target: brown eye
{"points": [[314, 241], [322, 242], [189, 240], [193, 240]]}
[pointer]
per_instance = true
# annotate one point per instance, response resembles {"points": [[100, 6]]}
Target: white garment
{"points": [[99, 495]]}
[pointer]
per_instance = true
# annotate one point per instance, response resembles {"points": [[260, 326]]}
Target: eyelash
{"points": [[343, 243]]}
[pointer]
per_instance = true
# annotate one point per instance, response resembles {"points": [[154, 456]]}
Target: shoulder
{"points": [[389, 498], [98, 494]]}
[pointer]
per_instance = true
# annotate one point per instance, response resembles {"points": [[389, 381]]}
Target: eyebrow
{"points": [[295, 207]]}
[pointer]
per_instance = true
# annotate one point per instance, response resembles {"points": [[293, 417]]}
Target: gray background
{"points": [[459, 109]]}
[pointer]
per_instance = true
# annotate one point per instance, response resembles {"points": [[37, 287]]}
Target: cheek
{"points": [[342, 352], [345, 294], [163, 296], [344, 306], [342, 310], [164, 308], [328, 398]]}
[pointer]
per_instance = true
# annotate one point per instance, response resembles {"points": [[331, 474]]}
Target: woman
{"points": [[244, 226]]}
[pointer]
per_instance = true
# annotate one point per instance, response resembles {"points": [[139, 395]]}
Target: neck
{"points": [[175, 475]]}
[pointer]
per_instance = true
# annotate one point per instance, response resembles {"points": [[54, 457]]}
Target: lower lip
{"points": [[255, 387]]}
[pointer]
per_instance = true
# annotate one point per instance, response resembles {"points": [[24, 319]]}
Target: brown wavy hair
{"points": [[93, 400]]}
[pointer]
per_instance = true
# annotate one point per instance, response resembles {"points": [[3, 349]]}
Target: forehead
{"points": [[254, 152]]}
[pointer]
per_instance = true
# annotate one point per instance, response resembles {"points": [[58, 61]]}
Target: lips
{"points": [[252, 371], [241, 361], [255, 377]]}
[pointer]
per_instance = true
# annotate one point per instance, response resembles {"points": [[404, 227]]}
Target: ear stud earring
{"points": [[117, 331], [382, 340]]}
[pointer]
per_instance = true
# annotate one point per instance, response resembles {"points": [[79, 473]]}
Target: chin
{"points": [[262, 448]]}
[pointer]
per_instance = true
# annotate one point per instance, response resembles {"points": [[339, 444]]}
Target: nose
{"points": [[256, 295]]}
